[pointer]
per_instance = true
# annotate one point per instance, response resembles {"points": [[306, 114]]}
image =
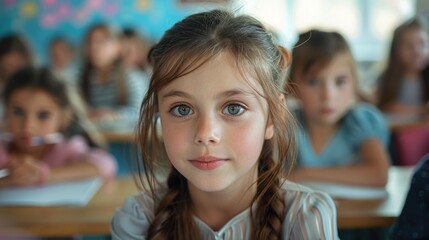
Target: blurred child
{"points": [[62, 60], [40, 146], [404, 83], [414, 219], [135, 50], [110, 89], [340, 140], [217, 87], [14, 53]]}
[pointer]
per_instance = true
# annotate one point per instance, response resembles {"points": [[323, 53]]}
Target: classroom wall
{"points": [[41, 20]]}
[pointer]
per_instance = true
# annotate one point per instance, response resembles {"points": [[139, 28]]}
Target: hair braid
{"points": [[173, 218], [269, 214]]}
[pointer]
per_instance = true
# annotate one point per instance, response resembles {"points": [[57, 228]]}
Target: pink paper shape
{"points": [[64, 10], [111, 9], [9, 2], [49, 20], [49, 2]]}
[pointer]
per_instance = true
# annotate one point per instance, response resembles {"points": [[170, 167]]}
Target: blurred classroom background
{"points": [[367, 24]]}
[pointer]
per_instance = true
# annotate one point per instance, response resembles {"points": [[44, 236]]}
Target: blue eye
{"points": [[233, 109], [341, 81], [313, 82], [18, 112], [181, 110], [43, 115]]}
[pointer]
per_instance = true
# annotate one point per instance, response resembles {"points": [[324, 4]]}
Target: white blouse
{"points": [[308, 215]]}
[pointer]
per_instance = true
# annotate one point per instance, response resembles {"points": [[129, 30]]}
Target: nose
{"points": [[28, 123], [328, 92], [207, 131]]}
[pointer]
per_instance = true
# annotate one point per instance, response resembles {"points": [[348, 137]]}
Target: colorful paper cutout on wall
{"points": [[111, 9], [9, 2], [48, 20], [64, 10], [142, 5], [49, 2], [28, 9], [94, 4]]}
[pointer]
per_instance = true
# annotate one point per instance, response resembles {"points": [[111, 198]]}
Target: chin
{"points": [[209, 186]]}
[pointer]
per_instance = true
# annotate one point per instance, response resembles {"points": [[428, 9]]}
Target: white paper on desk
{"points": [[75, 193], [347, 191]]}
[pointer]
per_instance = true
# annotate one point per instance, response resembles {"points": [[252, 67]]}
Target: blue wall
{"points": [[40, 20]]}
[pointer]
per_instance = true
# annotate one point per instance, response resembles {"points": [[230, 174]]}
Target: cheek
{"points": [[348, 94], [51, 125], [246, 140], [176, 139], [308, 98]]}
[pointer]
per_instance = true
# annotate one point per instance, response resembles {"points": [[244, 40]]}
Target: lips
{"points": [[207, 163], [327, 110], [26, 140]]}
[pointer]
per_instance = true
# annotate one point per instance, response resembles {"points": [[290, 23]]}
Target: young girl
{"points": [[110, 90], [404, 84], [339, 139], [14, 54], [217, 89], [39, 147], [135, 49], [62, 55]]}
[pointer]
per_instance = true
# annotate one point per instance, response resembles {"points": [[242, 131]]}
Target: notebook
{"points": [[73, 193], [347, 191]]}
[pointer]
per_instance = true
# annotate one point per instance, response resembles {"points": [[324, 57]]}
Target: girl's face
{"points": [[327, 95], [413, 49], [10, 63], [214, 125], [132, 51], [103, 49], [62, 55], [32, 112]]}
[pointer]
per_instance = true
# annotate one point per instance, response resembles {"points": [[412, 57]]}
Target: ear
{"points": [[269, 130]]}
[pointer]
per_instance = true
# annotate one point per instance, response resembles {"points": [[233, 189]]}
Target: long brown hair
{"points": [[183, 48], [118, 68], [391, 77], [314, 50]]}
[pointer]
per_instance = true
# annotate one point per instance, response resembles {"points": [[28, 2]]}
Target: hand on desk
{"points": [[23, 170]]}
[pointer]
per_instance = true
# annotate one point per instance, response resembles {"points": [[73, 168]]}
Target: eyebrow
{"points": [[229, 93], [18, 105]]}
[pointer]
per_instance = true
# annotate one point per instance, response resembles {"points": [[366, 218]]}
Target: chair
{"points": [[411, 145]]}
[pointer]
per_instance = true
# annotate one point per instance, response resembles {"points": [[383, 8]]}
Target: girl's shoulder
{"points": [[365, 121], [365, 112], [133, 218], [67, 150], [306, 207], [298, 197], [73, 143]]}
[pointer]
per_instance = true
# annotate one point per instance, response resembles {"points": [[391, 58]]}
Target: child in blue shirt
{"points": [[339, 140]]}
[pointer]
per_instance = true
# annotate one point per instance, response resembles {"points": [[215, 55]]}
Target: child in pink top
{"points": [[48, 138]]}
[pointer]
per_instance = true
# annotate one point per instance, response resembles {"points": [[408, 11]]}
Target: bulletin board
{"points": [[41, 20]]}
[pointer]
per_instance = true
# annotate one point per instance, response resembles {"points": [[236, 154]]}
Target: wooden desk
{"points": [[119, 136], [399, 123], [377, 212], [94, 218]]}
